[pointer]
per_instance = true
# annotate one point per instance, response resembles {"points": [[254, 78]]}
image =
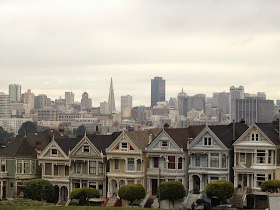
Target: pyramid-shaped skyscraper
{"points": [[111, 100]]}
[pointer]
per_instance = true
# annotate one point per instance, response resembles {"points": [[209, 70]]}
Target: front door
{"points": [[244, 180], [154, 186], [196, 184], [4, 192]]}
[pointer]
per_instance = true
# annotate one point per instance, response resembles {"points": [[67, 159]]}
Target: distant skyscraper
{"points": [[182, 99], [261, 95], [69, 97], [86, 102], [278, 102], [40, 101], [157, 90], [5, 106], [29, 99], [111, 100], [235, 93], [15, 92], [126, 102]]}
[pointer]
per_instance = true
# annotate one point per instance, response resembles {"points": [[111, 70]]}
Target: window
{"points": [[19, 167], [92, 184], [76, 185], [180, 163], [33, 166], [78, 167], [269, 177], [269, 156], [130, 164], [86, 149], [242, 156], [260, 179], [156, 159], [214, 160], [124, 145], [66, 170], [253, 137], [48, 169], [223, 178], [139, 168], [100, 168], [197, 160], [55, 170], [171, 162], [257, 137], [207, 141], [26, 167], [84, 184], [3, 165], [164, 143], [224, 161], [260, 156], [138, 181], [92, 167], [214, 178], [116, 164], [53, 152], [100, 188], [130, 181]]}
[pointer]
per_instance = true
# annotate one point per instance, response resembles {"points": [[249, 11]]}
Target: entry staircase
{"points": [[111, 201], [192, 198]]}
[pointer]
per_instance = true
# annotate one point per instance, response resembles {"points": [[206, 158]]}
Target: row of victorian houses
{"points": [[195, 156]]}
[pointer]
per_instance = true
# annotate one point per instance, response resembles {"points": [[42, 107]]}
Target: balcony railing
{"points": [[165, 171]]}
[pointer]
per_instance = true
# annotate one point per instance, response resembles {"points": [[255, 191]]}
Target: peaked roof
{"points": [[181, 135], [271, 130], [225, 132], [141, 138], [24, 145]]}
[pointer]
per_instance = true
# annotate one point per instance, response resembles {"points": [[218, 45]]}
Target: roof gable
{"points": [[48, 152], [85, 148]]}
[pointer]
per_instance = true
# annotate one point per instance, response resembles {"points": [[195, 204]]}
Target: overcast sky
{"points": [[206, 46]]}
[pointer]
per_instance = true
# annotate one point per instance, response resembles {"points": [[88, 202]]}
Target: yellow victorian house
{"points": [[126, 159]]}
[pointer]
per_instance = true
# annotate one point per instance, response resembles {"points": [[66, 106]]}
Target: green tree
{"points": [[270, 185], [221, 189], [39, 189], [132, 192], [80, 131], [5, 136], [171, 190], [27, 127], [84, 194]]}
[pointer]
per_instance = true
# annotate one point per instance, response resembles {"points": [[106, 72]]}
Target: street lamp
{"points": [[159, 177]]}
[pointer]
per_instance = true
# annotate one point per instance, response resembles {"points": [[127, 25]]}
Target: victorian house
{"points": [[211, 155], [126, 159], [256, 159], [19, 162]]}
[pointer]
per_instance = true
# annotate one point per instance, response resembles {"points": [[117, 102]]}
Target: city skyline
{"points": [[224, 44]]}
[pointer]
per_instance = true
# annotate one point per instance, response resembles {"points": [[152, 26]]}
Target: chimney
{"points": [[242, 121], [38, 146], [233, 131], [150, 138], [166, 126]]}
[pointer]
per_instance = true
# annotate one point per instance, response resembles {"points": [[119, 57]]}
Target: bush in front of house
{"points": [[171, 190], [221, 189], [84, 194], [132, 192], [270, 185], [39, 189]]}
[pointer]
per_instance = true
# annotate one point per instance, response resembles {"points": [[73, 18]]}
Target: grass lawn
{"points": [[67, 208]]}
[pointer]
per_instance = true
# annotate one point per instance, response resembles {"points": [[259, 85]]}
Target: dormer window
{"points": [[164, 143], [207, 141], [124, 145], [253, 137], [54, 152], [257, 137], [86, 149]]}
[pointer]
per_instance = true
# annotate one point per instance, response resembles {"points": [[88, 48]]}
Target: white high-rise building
{"points": [[126, 102], [235, 93], [15, 92], [5, 106], [29, 99], [104, 107], [86, 102], [69, 97]]}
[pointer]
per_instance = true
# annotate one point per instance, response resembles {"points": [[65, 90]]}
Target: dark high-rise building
{"points": [[14, 92], [157, 90]]}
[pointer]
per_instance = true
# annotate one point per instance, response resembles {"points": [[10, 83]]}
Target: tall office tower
{"points": [[5, 106], [261, 95], [86, 102], [223, 106], [173, 103], [40, 101], [215, 99], [183, 102], [69, 97], [278, 102], [197, 102], [29, 99], [15, 92], [157, 90], [111, 100], [126, 102], [235, 93], [253, 110], [104, 107]]}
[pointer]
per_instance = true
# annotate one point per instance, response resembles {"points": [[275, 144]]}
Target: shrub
{"points": [[171, 190], [270, 185], [84, 194], [132, 192], [221, 189], [39, 189]]}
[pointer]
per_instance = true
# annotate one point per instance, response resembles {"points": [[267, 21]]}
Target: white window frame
{"points": [[88, 149], [208, 141], [54, 155], [163, 142], [116, 164], [240, 157], [4, 165], [126, 148], [130, 166]]}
